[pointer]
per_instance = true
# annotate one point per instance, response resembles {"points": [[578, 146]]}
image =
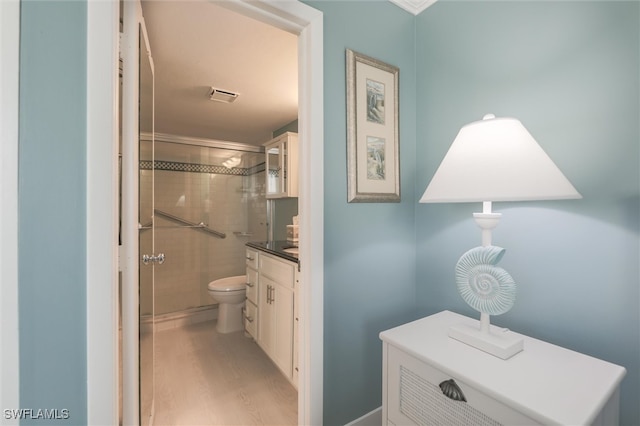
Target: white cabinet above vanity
{"points": [[282, 166]]}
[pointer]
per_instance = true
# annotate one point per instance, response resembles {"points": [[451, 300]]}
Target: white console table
{"points": [[543, 384]]}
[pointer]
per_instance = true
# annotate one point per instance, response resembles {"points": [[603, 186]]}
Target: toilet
{"points": [[229, 292]]}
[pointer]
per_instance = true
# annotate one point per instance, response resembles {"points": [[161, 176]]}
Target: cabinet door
{"points": [[281, 158], [283, 325], [296, 327], [274, 170], [291, 165], [266, 316], [275, 324]]}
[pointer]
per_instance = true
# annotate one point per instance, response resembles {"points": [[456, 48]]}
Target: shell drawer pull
{"points": [[452, 391]]}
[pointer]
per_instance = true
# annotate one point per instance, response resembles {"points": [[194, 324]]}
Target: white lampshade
{"points": [[497, 159]]}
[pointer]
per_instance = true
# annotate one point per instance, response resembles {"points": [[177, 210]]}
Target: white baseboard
{"points": [[179, 319], [374, 418]]}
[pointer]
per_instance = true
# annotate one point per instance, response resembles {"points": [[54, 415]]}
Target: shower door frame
{"points": [[102, 211], [134, 36]]}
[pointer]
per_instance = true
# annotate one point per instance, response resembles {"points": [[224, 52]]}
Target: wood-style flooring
{"points": [[206, 378]]}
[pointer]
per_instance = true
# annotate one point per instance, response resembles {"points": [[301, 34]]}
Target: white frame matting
{"points": [[102, 136]]}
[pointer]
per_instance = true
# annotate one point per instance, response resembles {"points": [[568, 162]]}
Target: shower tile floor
{"points": [[206, 378]]}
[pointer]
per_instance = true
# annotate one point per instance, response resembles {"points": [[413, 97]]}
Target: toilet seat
{"points": [[228, 284]]}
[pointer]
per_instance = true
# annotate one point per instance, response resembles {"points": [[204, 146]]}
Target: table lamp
{"points": [[494, 159]]}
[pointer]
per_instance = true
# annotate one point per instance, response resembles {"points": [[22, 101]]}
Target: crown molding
{"points": [[413, 6]]}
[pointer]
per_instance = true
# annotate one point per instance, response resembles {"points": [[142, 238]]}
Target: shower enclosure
{"points": [[199, 203], [206, 200]]}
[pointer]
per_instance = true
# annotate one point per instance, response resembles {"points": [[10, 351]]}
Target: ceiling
{"points": [[199, 44]]}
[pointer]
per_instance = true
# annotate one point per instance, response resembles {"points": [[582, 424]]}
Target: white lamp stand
{"points": [[494, 340], [493, 159], [497, 341]]}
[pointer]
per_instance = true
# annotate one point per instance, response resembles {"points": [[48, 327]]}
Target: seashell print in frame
{"points": [[373, 154]]}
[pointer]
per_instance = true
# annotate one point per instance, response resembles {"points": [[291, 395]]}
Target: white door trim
{"points": [[307, 23], [102, 212], [9, 103], [102, 103]]}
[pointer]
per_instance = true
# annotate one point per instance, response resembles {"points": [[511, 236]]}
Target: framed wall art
{"points": [[373, 153]]}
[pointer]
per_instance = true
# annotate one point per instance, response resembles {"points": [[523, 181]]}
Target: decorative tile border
{"points": [[175, 166]]}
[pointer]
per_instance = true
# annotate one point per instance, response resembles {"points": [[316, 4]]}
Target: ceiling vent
{"points": [[221, 95]]}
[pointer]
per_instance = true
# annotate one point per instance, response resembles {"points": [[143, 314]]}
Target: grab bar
{"points": [[200, 225]]}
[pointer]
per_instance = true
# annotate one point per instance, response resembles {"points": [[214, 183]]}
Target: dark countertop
{"points": [[276, 248]]}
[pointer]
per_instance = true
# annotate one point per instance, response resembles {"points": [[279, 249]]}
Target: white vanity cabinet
{"points": [[430, 378], [251, 304], [275, 310], [282, 166], [296, 326]]}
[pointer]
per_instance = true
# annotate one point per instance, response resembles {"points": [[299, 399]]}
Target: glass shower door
{"points": [[148, 258]]}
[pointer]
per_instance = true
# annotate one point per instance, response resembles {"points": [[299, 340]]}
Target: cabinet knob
{"points": [[452, 391]]}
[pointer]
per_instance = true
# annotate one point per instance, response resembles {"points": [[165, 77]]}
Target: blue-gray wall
{"points": [[369, 248], [569, 71], [51, 208]]}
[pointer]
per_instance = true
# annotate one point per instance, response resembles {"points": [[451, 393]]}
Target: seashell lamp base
{"points": [[497, 341]]}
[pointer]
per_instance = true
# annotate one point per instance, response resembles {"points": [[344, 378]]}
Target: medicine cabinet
{"points": [[282, 166]]}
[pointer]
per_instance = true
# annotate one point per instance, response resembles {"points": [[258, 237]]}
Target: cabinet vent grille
{"points": [[424, 403]]}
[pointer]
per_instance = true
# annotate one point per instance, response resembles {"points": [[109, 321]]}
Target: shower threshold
{"points": [[179, 319]]}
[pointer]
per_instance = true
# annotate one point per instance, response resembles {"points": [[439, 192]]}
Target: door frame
{"points": [[102, 199], [9, 107], [102, 212]]}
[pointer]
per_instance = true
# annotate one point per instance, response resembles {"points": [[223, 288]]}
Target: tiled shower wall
{"points": [[233, 204]]}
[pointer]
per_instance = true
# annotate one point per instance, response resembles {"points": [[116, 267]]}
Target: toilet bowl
{"points": [[229, 292]]}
